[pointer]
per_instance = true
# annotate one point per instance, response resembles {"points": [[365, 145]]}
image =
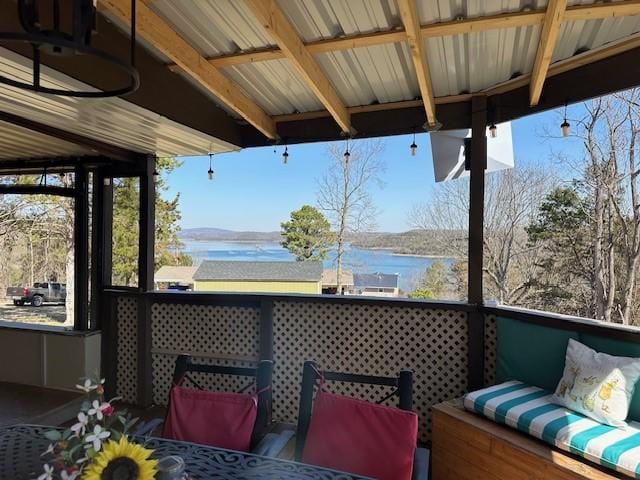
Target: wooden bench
{"points": [[469, 447]]}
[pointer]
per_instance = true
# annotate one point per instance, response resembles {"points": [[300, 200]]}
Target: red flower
{"points": [[106, 411]]}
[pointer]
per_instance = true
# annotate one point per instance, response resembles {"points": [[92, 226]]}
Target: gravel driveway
{"points": [[49, 314]]}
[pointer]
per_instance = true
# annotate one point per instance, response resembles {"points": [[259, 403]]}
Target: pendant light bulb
{"points": [[210, 171], [62, 177], [156, 176], [413, 147], [347, 155], [565, 126], [493, 131], [285, 155]]}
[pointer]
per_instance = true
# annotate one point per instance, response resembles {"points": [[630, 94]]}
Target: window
{"points": [[37, 248], [263, 225], [561, 228]]}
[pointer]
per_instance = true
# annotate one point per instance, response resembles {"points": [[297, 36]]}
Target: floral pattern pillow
{"points": [[597, 385]]}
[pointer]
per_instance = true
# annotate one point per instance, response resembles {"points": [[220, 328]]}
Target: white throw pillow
{"points": [[597, 385]]}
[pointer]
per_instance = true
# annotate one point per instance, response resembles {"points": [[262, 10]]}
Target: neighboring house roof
{"points": [[329, 278], [375, 280], [265, 271], [175, 274]]}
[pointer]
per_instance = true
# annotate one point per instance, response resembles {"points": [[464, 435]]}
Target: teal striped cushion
{"points": [[530, 410]]}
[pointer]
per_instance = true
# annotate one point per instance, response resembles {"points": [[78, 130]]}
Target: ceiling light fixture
{"points": [[49, 38], [210, 171], [413, 147], [565, 126]]}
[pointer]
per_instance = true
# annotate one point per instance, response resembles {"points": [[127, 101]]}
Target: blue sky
{"points": [[253, 190]]}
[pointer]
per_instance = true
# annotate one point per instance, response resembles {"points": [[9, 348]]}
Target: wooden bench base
{"points": [[469, 447]]}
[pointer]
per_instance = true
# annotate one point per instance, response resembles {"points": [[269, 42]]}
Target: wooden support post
{"points": [[146, 256], [146, 251], [106, 238], [81, 251], [476, 239], [266, 330]]}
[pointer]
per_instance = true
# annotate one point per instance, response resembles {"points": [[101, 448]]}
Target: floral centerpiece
{"points": [[97, 447]]}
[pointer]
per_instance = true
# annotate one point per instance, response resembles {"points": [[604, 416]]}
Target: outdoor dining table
{"points": [[21, 447]]}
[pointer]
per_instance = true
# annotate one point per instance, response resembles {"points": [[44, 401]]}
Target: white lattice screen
{"points": [[490, 345], [218, 335], [127, 359], [374, 340]]}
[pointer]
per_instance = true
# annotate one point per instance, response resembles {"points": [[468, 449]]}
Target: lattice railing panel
{"points": [[370, 339], [127, 348], [221, 335], [490, 346]]}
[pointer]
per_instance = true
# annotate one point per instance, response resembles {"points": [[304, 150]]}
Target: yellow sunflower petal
{"points": [[122, 449]]}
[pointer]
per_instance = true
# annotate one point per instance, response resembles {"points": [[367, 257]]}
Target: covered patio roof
{"points": [[216, 76]]}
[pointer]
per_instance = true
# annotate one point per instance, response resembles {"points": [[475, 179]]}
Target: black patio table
{"points": [[21, 447]]}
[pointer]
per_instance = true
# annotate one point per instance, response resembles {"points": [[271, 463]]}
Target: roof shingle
{"points": [[256, 271]]}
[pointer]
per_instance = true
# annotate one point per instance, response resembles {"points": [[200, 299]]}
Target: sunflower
{"points": [[121, 460]]}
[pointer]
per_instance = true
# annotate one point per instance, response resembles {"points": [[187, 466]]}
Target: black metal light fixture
{"points": [[347, 155], [210, 171], [413, 147], [75, 41], [493, 131], [565, 126], [285, 155]]}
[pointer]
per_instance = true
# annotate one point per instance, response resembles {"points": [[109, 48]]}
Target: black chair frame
{"points": [[262, 378], [311, 375]]}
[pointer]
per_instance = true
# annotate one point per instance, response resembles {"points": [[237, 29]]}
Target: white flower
{"points": [[48, 472], [81, 427], [97, 437], [98, 408], [88, 386], [69, 476], [50, 449]]}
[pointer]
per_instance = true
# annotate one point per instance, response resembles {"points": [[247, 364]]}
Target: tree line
{"points": [[567, 245]]}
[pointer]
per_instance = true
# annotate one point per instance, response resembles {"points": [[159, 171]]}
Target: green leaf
{"points": [[53, 435]]}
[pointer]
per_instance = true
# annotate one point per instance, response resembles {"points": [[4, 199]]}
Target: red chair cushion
{"points": [[361, 437], [218, 419]]}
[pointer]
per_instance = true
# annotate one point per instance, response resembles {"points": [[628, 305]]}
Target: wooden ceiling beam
{"points": [[277, 25], [550, 29], [557, 68], [433, 30], [164, 38], [409, 15]]}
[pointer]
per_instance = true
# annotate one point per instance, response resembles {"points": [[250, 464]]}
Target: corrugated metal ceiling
{"points": [[111, 120], [458, 64], [19, 142]]}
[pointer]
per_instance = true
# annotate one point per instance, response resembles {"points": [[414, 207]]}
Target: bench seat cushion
{"points": [[530, 410]]}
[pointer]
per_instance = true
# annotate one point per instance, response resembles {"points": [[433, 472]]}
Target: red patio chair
{"points": [[360, 437], [235, 421]]}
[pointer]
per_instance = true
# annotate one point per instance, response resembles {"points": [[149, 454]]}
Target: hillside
{"points": [[212, 234], [412, 242]]}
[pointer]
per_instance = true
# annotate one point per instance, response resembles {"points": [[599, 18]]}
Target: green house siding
{"points": [[262, 286]]}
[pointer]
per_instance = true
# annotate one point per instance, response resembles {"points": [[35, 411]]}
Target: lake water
{"points": [[410, 268]]}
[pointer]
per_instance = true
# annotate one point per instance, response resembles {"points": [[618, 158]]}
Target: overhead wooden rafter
{"points": [[550, 29], [441, 29], [557, 68], [409, 15], [273, 19], [164, 38]]}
